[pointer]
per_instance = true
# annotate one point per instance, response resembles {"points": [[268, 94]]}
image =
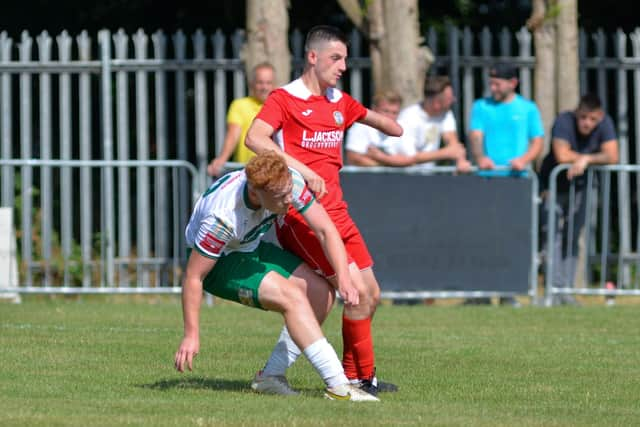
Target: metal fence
{"points": [[143, 97], [138, 249], [608, 258]]}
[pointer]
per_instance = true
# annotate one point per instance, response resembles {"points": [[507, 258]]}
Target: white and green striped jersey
{"points": [[223, 220]]}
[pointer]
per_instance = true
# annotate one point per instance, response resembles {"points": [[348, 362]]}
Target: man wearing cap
{"points": [[506, 130]]}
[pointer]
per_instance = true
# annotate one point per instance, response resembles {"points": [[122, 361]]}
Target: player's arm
{"points": [[198, 267], [334, 249], [382, 123], [229, 145], [259, 140]]}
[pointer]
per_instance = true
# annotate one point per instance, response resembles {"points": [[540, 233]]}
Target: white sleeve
{"points": [[405, 144], [357, 138], [449, 122], [212, 236]]}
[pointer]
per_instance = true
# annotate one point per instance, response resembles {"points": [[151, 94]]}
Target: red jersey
{"points": [[311, 128]]}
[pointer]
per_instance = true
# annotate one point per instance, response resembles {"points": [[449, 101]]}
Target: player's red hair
{"points": [[267, 170]]}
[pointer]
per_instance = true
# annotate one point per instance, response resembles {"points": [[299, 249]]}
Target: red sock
{"points": [[358, 357]]}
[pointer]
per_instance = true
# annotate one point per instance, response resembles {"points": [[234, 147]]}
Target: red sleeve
{"points": [[273, 110], [354, 110]]}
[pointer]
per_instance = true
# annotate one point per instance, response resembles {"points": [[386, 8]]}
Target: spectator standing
{"points": [[583, 137], [239, 117], [506, 130]]}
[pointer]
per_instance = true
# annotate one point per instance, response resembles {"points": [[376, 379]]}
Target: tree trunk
{"points": [[268, 37], [377, 44], [544, 35], [403, 67], [567, 60], [398, 61]]}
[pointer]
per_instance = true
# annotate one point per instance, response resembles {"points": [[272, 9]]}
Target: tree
{"points": [[268, 37], [398, 60], [556, 83]]}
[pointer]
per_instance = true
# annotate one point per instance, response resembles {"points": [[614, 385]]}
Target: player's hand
{"points": [[518, 164], [187, 351], [215, 167], [316, 184], [349, 294], [578, 167], [486, 163]]}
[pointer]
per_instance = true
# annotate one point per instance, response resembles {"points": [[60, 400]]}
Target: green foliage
{"points": [[94, 362]]}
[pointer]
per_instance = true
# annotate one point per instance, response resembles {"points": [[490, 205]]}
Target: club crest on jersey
{"points": [[337, 116]]}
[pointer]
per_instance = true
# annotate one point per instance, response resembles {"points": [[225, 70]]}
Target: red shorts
{"points": [[295, 236]]}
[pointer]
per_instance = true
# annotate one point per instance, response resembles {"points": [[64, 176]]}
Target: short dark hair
{"points": [[435, 85], [323, 33], [590, 102]]}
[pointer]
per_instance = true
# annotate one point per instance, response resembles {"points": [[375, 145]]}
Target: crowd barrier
{"points": [[94, 226], [432, 235], [611, 261]]}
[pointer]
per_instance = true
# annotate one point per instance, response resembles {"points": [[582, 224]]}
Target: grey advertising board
{"points": [[443, 232]]}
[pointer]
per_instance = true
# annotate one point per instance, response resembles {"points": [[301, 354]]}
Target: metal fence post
{"points": [[26, 141], [66, 197], [6, 119], [161, 202], [86, 179], [108, 253]]}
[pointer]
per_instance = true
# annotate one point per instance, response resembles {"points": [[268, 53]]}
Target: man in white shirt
{"points": [[367, 146], [424, 125]]}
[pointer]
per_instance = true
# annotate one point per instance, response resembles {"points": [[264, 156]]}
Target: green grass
{"points": [[96, 362]]}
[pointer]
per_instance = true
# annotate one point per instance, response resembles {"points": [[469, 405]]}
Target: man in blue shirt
{"points": [[506, 130], [582, 137]]}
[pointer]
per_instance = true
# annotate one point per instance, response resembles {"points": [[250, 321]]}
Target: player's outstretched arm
{"points": [[198, 267], [334, 249], [382, 123], [259, 140]]}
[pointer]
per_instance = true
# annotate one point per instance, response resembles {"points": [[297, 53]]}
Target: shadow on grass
{"points": [[197, 383]]}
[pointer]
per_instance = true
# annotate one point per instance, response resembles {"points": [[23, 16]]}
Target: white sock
{"points": [[325, 360], [283, 355]]}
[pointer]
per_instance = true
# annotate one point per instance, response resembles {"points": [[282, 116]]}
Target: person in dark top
{"points": [[582, 137]]}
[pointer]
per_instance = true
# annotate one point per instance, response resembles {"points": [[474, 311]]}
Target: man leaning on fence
{"points": [[425, 125], [583, 137], [506, 130]]}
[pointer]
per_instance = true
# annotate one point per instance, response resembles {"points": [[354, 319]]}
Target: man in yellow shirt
{"points": [[239, 117]]}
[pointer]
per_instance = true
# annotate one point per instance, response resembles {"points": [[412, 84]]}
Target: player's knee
{"points": [[294, 297], [375, 297]]}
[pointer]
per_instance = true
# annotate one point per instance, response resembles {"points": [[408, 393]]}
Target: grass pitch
{"points": [[107, 362]]}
